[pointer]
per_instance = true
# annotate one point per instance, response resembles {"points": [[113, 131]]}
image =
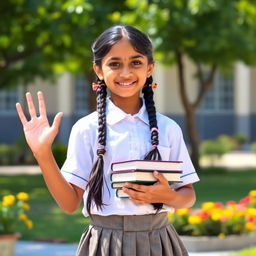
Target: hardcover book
{"points": [[147, 165]]}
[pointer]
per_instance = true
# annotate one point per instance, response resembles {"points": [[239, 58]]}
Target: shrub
{"points": [[59, 151], [240, 139], [8, 154], [253, 146], [218, 147]]}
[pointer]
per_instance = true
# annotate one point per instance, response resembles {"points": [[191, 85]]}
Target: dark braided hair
{"points": [[95, 183], [142, 44], [154, 153]]}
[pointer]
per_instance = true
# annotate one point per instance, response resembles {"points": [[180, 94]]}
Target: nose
{"points": [[125, 72]]}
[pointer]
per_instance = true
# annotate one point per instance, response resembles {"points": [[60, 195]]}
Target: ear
{"points": [[150, 69], [98, 71]]}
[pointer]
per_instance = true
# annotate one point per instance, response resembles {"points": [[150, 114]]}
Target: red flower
{"points": [[245, 200]]}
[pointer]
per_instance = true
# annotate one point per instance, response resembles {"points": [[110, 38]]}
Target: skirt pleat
{"points": [[142, 238], [178, 246], [129, 244], [104, 241], [116, 243], [155, 243], [150, 235]]}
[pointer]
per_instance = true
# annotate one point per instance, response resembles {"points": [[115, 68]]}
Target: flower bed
{"points": [[215, 221]]}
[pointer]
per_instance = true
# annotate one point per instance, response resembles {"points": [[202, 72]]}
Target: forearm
{"points": [[63, 193], [184, 197]]}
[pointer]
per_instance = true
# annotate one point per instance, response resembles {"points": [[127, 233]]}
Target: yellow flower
{"points": [[221, 235], [29, 224], [216, 215], [252, 193], [251, 212], [8, 200], [22, 196], [194, 219], [23, 216], [249, 226], [182, 211], [206, 206], [25, 206]]}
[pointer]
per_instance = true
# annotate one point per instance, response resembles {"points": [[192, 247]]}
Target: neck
{"points": [[128, 105]]}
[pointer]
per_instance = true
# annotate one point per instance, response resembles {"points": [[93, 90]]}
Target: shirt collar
{"points": [[114, 114]]}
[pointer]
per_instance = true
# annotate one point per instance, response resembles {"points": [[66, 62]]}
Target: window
{"points": [[220, 97], [8, 99], [81, 95]]}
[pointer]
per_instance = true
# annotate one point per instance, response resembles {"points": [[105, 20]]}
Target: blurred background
{"points": [[205, 53]]}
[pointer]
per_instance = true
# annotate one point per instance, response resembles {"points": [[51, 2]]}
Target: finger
{"points": [[160, 177], [20, 112], [137, 187], [31, 106], [42, 107], [134, 194], [57, 121]]}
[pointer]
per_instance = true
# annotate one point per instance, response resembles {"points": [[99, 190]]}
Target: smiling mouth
{"points": [[126, 84]]}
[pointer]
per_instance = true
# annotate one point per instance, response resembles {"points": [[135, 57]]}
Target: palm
{"points": [[37, 131]]}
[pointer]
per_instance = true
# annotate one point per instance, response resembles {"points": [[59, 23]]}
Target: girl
{"points": [[125, 127]]}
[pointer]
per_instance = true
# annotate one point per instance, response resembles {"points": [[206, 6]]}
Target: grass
{"points": [[51, 222], [246, 252], [221, 185]]}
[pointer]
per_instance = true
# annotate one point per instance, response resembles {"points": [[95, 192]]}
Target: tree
{"points": [[211, 33], [39, 38]]}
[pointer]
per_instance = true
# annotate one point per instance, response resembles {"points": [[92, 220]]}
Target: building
{"points": [[228, 108]]}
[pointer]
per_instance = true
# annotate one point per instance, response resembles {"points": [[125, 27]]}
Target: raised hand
{"points": [[39, 134]]}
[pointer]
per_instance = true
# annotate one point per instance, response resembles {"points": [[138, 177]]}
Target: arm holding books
{"points": [[160, 192]]}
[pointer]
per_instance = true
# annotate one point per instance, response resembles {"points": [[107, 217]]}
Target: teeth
{"points": [[126, 84]]}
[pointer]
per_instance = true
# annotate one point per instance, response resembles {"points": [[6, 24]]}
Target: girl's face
{"points": [[124, 71]]}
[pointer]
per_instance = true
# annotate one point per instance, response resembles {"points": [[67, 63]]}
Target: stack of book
{"points": [[141, 172]]}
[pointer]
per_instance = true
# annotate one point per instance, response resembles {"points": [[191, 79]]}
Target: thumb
{"points": [[57, 121], [160, 177]]}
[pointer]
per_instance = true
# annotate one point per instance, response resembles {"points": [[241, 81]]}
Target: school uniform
{"points": [[123, 227]]}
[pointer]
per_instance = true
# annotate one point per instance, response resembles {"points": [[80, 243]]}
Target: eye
{"points": [[114, 64], [136, 62]]}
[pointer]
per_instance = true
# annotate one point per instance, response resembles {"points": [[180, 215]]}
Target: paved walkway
{"points": [[27, 248]]}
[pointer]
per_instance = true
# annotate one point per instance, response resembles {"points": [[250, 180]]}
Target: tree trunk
{"points": [[189, 113], [193, 138], [190, 108]]}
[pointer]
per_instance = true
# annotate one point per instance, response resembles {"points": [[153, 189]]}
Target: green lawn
{"points": [[51, 222]]}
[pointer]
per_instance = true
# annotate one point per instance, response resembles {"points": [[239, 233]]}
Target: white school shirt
{"points": [[128, 138]]}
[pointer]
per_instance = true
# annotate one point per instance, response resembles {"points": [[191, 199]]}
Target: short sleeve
{"points": [[78, 164], [179, 152]]}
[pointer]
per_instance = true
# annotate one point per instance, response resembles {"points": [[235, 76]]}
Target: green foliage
{"points": [[253, 146], [7, 154], [18, 153], [42, 38], [59, 151], [202, 29], [241, 139], [245, 252], [214, 149]]}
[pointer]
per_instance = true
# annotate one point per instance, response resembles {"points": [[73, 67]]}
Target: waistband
{"points": [[131, 222]]}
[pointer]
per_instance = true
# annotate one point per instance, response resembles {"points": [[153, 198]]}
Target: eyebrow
{"points": [[133, 57]]}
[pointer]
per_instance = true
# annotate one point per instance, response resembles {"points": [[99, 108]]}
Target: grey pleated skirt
{"points": [[135, 235]]}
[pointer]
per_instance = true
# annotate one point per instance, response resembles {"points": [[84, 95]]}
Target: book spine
{"points": [[120, 196], [149, 170]]}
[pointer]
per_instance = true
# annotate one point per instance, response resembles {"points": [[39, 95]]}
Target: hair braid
{"points": [[153, 154], [95, 183]]}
